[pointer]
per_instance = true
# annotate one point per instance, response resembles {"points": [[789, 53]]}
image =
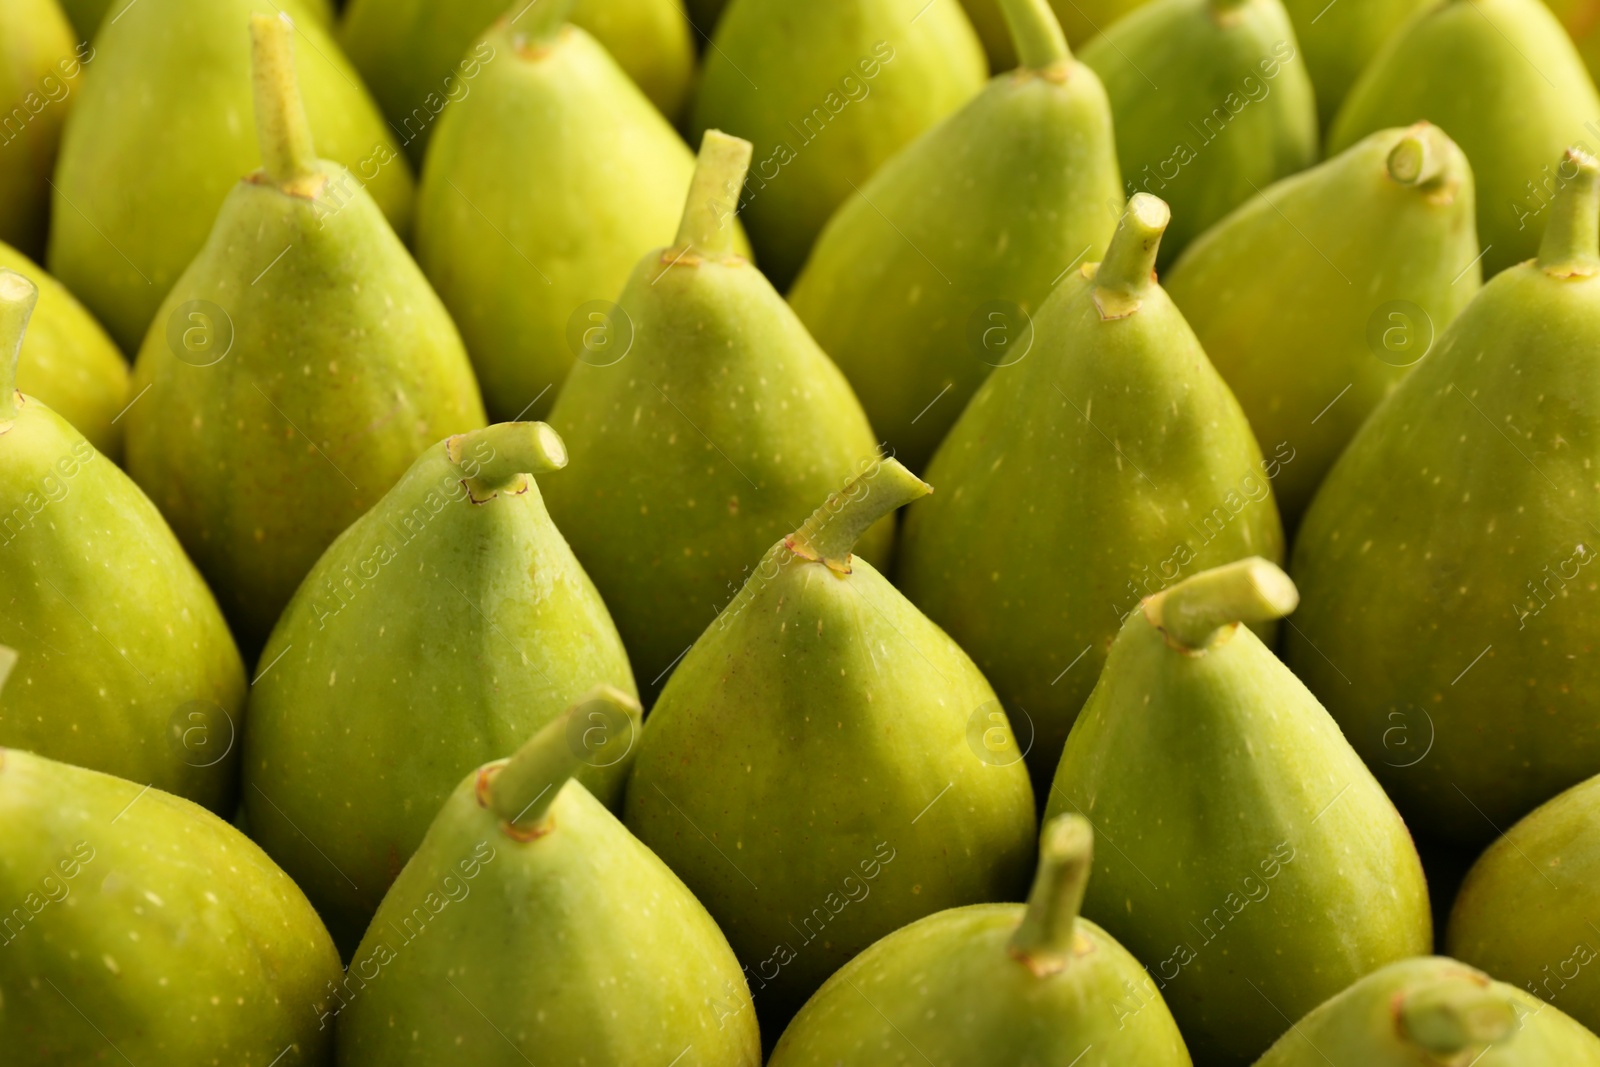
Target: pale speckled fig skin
{"points": [[410, 52], [807, 735], [168, 930], [819, 121], [1027, 581], [40, 73], [160, 133], [1277, 859], [990, 205], [1523, 913], [446, 624], [1233, 112], [1284, 291], [1082, 20], [579, 946], [1359, 1027], [1463, 65], [1462, 517], [1338, 42], [68, 361]]}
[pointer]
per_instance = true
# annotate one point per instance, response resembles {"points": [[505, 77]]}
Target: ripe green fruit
{"points": [[419, 58], [1429, 1011], [143, 929], [1442, 563], [1212, 104], [697, 446], [161, 132], [828, 92], [826, 765], [1284, 869], [87, 15], [296, 369], [1500, 77], [1081, 19], [459, 574], [924, 280], [994, 983], [1578, 18], [542, 189], [117, 655], [40, 61], [1105, 465], [1525, 909], [68, 361], [1337, 42], [552, 935], [1317, 296]]}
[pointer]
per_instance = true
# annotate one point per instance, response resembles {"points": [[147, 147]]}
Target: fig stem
{"points": [[831, 533], [523, 787], [1130, 261], [500, 452], [17, 297], [1192, 612], [708, 213], [1571, 244], [287, 155], [1418, 158], [1043, 942], [1453, 1014], [1036, 33], [540, 18]]}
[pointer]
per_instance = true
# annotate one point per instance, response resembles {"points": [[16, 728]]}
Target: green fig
{"points": [[160, 133], [525, 238], [87, 15], [1504, 81], [826, 765], [847, 84], [68, 361], [294, 372], [1461, 512], [411, 52], [1317, 296], [1108, 463], [1526, 910], [1081, 19], [1338, 40], [40, 64], [1284, 869], [1212, 104], [117, 655], [1433, 1011], [142, 929], [1581, 19], [994, 983], [459, 574], [924, 280], [581, 947], [696, 447]]}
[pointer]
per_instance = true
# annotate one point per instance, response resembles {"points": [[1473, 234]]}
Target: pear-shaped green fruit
{"points": [[827, 92], [994, 983], [1105, 465], [458, 574], [68, 361], [1525, 911], [419, 58], [826, 765], [1081, 19], [696, 448], [1317, 296], [1337, 42], [1433, 1012], [142, 929], [532, 927], [1448, 562], [1284, 870], [294, 372], [1212, 104], [87, 15], [924, 280], [1581, 19], [1503, 80], [117, 655], [161, 132], [40, 64], [542, 189]]}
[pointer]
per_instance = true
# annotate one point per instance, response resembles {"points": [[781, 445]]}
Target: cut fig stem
{"points": [[1066, 853], [1036, 33], [540, 18], [719, 173], [500, 452], [522, 788], [1571, 245], [1452, 1015], [1130, 262], [287, 154], [831, 533], [17, 297], [1421, 157], [1192, 612]]}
